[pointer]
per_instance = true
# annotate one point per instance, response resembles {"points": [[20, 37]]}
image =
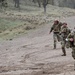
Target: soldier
{"points": [[56, 27], [71, 42], [64, 33]]}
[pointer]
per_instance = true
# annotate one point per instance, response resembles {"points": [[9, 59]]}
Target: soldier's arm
{"points": [[51, 29], [70, 36]]}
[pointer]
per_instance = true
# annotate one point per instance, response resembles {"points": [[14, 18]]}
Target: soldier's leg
{"points": [[74, 65], [58, 37], [55, 38], [73, 52], [64, 51], [73, 55], [54, 44], [63, 48]]}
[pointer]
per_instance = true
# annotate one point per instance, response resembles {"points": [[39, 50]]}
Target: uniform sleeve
{"points": [[69, 36], [52, 28]]}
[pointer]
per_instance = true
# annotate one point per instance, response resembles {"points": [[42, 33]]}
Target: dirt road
{"points": [[33, 54]]}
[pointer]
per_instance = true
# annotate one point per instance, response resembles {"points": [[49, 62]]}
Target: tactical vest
{"points": [[68, 31], [57, 28], [63, 30], [70, 44]]}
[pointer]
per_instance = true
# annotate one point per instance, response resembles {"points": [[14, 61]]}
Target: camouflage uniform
{"points": [[71, 42], [56, 29], [64, 33]]}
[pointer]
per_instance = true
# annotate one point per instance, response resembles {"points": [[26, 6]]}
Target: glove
{"points": [[66, 39]]}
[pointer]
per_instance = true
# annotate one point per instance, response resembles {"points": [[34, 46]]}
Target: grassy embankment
{"points": [[14, 23]]}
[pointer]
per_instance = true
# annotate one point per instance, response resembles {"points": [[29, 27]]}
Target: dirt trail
{"points": [[33, 54]]}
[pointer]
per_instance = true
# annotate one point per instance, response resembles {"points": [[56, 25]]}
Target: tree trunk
{"points": [[17, 3], [44, 5], [39, 3]]}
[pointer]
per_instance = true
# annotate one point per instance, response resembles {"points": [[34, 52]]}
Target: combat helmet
{"points": [[56, 22]]}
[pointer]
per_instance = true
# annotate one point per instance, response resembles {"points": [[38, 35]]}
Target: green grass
{"points": [[8, 24], [10, 28], [29, 18]]}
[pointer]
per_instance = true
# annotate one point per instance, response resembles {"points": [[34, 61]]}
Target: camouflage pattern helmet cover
{"points": [[56, 22]]}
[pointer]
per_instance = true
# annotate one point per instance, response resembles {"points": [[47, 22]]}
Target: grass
{"points": [[29, 18], [8, 24], [10, 28]]}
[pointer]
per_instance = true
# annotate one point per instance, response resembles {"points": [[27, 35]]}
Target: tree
{"points": [[45, 2], [17, 3], [39, 3]]}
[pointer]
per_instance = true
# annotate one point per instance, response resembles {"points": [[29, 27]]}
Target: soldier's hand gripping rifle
{"points": [[69, 42]]}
